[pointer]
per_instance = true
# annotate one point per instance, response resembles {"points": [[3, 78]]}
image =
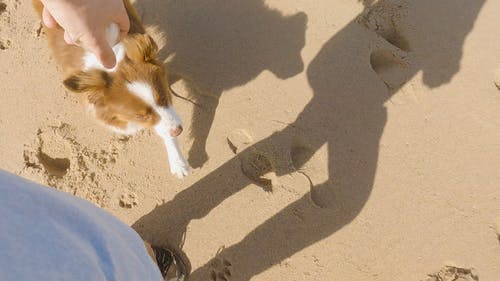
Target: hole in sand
{"points": [[57, 167]]}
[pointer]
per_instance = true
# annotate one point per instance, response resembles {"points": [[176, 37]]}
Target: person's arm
{"points": [[85, 22]]}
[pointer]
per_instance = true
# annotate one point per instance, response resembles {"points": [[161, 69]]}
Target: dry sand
{"points": [[331, 140]]}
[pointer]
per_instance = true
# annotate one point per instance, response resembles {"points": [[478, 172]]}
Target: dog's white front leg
{"points": [[168, 128], [178, 165]]}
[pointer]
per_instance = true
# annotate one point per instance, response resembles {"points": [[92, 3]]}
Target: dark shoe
{"points": [[171, 266]]}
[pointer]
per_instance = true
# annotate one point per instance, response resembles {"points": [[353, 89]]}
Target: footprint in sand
{"points": [[390, 67], [56, 167], [220, 269], [259, 164], [255, 165], [258, 168], [300, 155], [452, 273], [48, 154], [56, 159], [383, 19]]}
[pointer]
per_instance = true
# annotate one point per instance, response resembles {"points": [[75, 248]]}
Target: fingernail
{"points": [[109, 63]]}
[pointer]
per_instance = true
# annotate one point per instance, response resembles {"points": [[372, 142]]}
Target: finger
{"points": [[100, 47], [68, 39], [48, 19], [123, 23]]}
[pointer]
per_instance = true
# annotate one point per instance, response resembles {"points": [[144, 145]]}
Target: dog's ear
{"points": [[88, 81], [141, 48]]}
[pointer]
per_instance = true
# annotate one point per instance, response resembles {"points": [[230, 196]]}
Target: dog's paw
{"points": [[179, 168]]}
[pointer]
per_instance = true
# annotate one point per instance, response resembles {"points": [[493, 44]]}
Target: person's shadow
{"points": [[217, 45], [352, 76]]}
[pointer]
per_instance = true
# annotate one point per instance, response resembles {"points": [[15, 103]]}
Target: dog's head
{"points": [[134, 92]]}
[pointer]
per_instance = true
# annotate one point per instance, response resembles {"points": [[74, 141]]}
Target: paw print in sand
{"points": [[452, 273], [220, 270], [128, 200]]}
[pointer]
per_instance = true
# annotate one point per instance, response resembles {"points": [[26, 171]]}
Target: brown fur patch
{"points": [[141, 48], [93, 80]]}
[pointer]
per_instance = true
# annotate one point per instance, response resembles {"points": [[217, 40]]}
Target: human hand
{"points": [[85, 22]]}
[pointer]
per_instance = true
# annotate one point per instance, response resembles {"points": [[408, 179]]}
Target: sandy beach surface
{"points": [[328, 139]]}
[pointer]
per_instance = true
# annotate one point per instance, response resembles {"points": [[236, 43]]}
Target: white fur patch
{"points": [[143, 91], [169, 118]]}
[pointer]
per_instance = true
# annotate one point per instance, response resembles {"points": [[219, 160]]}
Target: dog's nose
{"points": [[174, 132]]}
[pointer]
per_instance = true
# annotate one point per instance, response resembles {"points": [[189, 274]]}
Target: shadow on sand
{"points": [[348, 116], [218, 45]]}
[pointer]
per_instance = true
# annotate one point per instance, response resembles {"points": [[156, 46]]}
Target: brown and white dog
{"points": [[130, 97]]}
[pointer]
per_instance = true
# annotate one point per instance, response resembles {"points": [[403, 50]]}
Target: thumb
{"points": [[102, 50]]}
